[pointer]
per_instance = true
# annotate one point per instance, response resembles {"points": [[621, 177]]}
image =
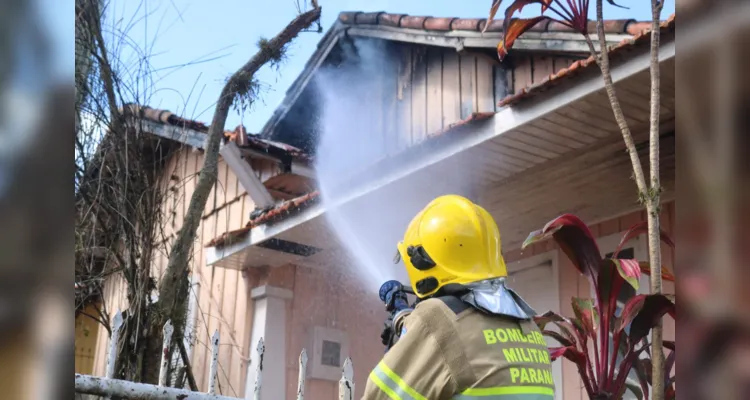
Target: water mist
{"points": [[350, 142]]}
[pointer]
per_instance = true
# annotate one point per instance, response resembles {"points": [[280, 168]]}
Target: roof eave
{"points": [[564, 42], [218, 255], [325, 46], [506, 120]]}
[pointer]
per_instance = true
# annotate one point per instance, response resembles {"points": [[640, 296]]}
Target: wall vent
{"points": [[330, 349]]}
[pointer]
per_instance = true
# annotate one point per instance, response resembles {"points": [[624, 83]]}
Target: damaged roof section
{"points": [[266, 217], [296, 177], [641, 38], [239, 135], [451, 32]]}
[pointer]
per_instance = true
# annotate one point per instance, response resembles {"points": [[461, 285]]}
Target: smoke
{"points": [[351, 141]]}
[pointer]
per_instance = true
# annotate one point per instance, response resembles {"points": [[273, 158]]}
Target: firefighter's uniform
{"points": [[474, 342]]}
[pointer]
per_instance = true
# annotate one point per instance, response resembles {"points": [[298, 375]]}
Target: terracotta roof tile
{"points": [[471, 118], [268, 216], [641, 35], [444, 24], [239, 135]]}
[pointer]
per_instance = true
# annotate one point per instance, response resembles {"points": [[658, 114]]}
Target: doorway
{"points": [[536, 280]]}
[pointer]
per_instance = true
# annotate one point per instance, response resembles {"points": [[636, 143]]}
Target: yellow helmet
{"points": [[452, 240]]}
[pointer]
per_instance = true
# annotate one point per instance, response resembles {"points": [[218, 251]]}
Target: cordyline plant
{"points": [[571, 13], [595, 321]]}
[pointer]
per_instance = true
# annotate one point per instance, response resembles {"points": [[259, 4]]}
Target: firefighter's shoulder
{"points": [[449, 306]]}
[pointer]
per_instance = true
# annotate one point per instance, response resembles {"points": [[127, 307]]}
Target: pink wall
{"points": [[331, 297], [328, 297], [573, 284]]}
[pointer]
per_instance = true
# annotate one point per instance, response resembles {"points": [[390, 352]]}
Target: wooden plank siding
{"points": [[435, 87], [223, 295], [527, 69], [86, 334]]}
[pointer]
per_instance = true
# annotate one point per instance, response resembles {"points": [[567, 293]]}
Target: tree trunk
{"points": [[649, 196], [653, 206], [602, 59], [173, 289]]}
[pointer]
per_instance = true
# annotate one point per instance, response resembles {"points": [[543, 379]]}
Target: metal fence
{"points": [[107, 386]]}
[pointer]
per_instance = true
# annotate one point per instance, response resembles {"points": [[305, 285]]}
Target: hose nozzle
{"points": [[393, 294]]}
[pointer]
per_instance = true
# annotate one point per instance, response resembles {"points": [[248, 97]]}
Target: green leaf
{"points": [[639, 229], [575, 240], [586, 313], [559, 337], [643, 312], [565, 325], [610, 284], [630, 270], [569, 352]]}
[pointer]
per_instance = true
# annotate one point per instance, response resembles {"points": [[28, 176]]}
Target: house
{"points": [[390, 111]]}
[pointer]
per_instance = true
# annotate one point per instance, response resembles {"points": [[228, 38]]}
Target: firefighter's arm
{"points": [[412, 369]]}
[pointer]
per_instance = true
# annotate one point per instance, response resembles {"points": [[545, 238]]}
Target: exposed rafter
{"points": [[245, 175]]}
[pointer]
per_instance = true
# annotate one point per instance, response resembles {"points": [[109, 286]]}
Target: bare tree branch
{"points": [[238, 84], [188, 367], [653, 203]]}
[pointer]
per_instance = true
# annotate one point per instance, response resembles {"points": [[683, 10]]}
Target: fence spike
{"points": [[112, 357], [167, 342], [346, 384], [212, 372], [301, 375], [259, 369]]}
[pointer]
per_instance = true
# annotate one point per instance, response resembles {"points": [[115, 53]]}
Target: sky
{"points": [[192, 46]]}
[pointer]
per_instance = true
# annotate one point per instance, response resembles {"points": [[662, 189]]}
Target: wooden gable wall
{"points": [[423, 90]]}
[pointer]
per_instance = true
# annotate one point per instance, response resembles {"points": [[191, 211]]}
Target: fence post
{"points": [[167, 333], [346, 384], [301, 375], [116, 325], [259, 370], [212, 372]]}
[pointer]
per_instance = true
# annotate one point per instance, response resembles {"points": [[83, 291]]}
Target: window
{"points": [[331, 354]]}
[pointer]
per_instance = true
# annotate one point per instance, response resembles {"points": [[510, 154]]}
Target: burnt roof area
{"points": [[301, 125], [297, 119]]}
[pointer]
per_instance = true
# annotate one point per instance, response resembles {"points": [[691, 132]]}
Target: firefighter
{"points": [[469, 336]]}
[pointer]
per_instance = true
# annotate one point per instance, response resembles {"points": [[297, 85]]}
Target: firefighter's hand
{"points": [[387, 332]]}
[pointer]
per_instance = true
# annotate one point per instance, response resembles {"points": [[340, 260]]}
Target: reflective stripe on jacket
{"points": [[450, 352]]}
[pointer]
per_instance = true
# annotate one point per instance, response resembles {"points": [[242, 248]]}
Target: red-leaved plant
{"points": [[571, 13], [595, 320]]}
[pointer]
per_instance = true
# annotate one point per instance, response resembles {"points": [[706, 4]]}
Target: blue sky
{"points": [[216, 37]]}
